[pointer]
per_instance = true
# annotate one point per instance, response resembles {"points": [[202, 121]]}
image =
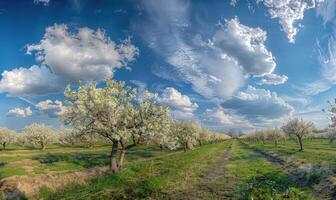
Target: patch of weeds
{"points": [[314, 178], [2, 163], [270, 186]]}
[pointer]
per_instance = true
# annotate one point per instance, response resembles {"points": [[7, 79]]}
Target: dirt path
{"points": [[210, 186], [304, 175]]}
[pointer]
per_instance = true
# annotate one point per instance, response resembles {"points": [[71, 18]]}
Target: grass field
{"points": [[22, 161], [315, 151], [226, 170]]}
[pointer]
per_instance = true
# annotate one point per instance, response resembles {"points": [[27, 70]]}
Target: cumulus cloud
{"points": [[258, 105], [181, 105], [68, 57], [289, 12], [217, 116], [44, 2], [30, 81], [19, 112], [215, 69], [273, 79], [82, 55], [246, 46], [52, 108]]}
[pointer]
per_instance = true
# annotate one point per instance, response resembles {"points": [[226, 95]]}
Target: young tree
{"points": [[331, 134], [67, 136], [331, 111], [299, 129], [274, 135], [186, 134], [21, 139], [39, 135], [110, 112], [7, 137], [204, 136]]}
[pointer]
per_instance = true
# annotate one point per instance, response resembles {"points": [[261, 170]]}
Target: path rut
{"points": [[210, 186]]}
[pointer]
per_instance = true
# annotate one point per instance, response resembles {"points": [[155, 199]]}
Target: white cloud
{"points": [[289, 12], [246, 46], [327, 10], [328, 70], [44, 2], [215, 69], [217, 116], [258, 105], [273, 79], [181, 105], [68, 57], [142, 86], [52, 108], [32, 81], [19, 112], [82, 55]]}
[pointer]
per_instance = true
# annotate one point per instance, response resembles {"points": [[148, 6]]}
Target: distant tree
{"points": [[275, 135], [186, 134], [331, 134], [67, 136], [21, 139], [7, 137], [39, 135], [299, 129], [331, 111]]}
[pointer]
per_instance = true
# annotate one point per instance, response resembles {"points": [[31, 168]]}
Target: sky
{"points": [[228, 64]]}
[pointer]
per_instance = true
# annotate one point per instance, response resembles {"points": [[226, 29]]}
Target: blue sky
{"points": [[227, 64]]}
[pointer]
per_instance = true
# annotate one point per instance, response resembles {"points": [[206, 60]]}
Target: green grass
{"points": [[315, 151], [6, 172], [250, 176], [149, 179], [60, 158]]}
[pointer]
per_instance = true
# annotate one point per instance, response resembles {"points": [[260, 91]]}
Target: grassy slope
{"points": [[17, 161], [249, 175], [156, 179]]}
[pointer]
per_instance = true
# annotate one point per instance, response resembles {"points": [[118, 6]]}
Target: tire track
{"points": [[303, 175], [209, 186]]}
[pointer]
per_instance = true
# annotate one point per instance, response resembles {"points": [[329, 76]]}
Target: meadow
{"points": [[232, 169]]}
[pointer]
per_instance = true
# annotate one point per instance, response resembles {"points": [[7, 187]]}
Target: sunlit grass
{"points": [[156, 179]]}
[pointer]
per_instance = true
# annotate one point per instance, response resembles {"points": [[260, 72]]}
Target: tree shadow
{"points": [[90, 159], [85, 160]]}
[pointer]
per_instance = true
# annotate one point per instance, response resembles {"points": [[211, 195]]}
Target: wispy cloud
{"points": [[216, 67], [289, 12]]}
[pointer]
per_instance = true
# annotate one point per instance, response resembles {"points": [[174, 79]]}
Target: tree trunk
{"points": [[4, 145], [301, 144], [185, 147], [121, 158], [43, 146], [113, 157], [134, 140]]}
